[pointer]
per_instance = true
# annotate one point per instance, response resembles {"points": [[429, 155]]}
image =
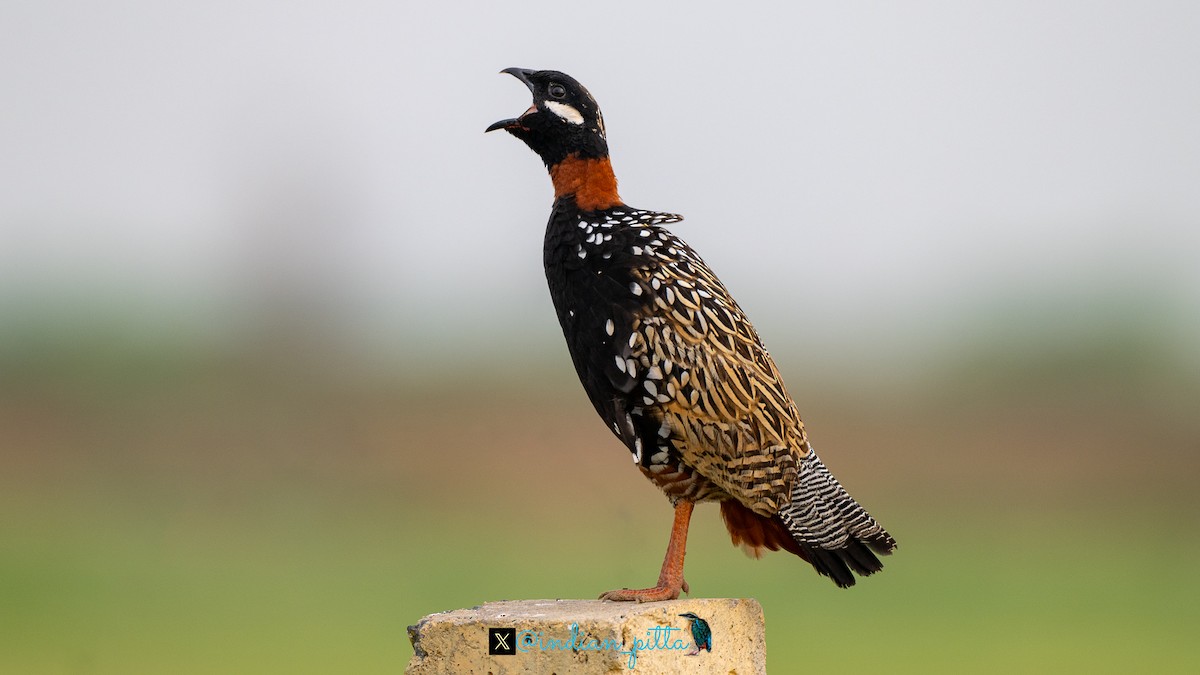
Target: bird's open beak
{"points": [[521, 74]]}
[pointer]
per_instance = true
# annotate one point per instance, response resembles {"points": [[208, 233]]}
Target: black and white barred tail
{"points": [[835, 534]]}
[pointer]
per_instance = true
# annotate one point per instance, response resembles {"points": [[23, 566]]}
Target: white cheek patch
{"points": [[564, 111]]}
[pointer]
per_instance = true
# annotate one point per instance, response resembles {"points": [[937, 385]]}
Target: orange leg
{"points": [[670, 579]]}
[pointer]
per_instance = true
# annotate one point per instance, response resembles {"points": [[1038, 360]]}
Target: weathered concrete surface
{"points": [[647, 638]]}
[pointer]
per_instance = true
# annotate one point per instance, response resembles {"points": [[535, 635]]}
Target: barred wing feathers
{"points": [[732, 420]]}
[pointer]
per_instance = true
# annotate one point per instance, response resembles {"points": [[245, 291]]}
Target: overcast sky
{"points": [[843, 166]]}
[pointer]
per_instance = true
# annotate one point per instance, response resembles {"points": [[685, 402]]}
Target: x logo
{"points": [[502, 641]]}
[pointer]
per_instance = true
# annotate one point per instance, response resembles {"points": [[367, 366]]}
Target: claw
{"points": [[643, 594]]}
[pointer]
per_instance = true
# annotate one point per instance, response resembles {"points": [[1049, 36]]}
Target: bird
{"points": [[701, 633], [673, 366]]}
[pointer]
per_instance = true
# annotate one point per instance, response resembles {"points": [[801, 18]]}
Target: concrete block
{"points": [[589, 636]]}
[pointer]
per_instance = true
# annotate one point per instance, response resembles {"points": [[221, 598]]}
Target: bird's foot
{"points": [[670, 579], [665, 590]]}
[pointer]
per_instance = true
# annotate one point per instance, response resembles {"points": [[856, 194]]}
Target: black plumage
{"points": [[673, 366]]}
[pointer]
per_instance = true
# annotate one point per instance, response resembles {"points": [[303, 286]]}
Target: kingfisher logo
{"points": [[701, 634]]}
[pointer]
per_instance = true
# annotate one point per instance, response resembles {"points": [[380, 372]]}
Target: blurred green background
{"points": [[279, 374], [267, 510]]}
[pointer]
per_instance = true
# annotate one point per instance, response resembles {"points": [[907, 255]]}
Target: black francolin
{"points": [[673, 366]]}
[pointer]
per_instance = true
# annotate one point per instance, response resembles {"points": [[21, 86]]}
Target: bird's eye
{"points": [[558, 91]]}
